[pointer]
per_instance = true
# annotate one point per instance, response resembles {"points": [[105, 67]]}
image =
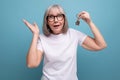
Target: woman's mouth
{"points": [[56, 26]]}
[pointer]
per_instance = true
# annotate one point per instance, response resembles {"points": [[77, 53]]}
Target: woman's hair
{"points": [[46, 29]]}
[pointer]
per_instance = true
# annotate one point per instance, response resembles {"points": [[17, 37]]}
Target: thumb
{"points": [[35, 24]]}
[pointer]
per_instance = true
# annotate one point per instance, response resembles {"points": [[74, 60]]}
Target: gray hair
{"points": [[46, 29]]}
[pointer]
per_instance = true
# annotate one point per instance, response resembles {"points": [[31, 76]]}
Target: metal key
{"points": [[77, 22]]}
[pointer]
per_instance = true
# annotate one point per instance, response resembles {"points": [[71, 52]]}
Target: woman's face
{"points": [[55, 20]]}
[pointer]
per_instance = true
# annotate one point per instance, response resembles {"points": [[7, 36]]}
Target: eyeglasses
{"points": [[59, 17]]}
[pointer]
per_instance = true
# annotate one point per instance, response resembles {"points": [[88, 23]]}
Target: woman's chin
{"points": [[57, 32]]}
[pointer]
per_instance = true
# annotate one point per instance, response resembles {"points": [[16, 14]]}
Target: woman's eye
{"points": [[51, 16], [60, 15]]}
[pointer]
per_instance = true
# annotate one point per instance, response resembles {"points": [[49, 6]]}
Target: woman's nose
{"points": [[55, 19]]}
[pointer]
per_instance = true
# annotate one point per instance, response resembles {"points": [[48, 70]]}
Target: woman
{"points": [[59, 44]]}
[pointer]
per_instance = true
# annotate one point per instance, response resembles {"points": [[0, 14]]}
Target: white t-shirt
{"points": [[60, 62]]}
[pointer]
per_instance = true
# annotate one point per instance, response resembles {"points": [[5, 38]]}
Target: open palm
{"points": [[33, 27]]}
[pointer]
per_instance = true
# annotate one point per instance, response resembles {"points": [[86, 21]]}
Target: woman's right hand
{"points": [[33, 27]]}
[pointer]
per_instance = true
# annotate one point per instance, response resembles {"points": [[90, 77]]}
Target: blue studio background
{"points": [[15, 37]]}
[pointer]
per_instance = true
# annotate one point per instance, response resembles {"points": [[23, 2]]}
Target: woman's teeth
{"points": [[56, 25]]}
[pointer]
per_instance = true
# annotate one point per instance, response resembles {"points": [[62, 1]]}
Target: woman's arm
{"points": [[34, 55], [96, 43]]}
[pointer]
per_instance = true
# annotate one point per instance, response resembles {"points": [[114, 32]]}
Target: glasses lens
{"points": [[60, 17], [52, 18]]}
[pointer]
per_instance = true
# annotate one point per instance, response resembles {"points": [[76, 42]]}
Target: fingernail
{"points": [[24, 20]]}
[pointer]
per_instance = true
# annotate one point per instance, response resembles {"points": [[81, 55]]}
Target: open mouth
{"points": [[56, 26]]}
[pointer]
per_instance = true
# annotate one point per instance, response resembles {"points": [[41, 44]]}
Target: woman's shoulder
{"points": [[72, 30], [75, 32], [42, 36]]}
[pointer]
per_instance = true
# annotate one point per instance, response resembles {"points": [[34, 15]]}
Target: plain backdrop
{"points": [[15, 37]]}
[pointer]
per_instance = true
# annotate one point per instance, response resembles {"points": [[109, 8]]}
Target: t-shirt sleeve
{"points": [[81, 37], [39, 45]]}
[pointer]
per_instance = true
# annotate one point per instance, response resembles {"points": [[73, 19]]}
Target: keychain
{"points": [[78, 20]]}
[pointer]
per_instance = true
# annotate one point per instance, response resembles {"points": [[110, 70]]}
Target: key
{"points": [[77, 22]]}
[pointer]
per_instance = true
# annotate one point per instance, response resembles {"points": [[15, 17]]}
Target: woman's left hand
{"points": [[85, 16]]}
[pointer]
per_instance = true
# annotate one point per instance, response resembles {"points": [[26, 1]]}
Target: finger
{"points": [[82, 16], [27, 23], [81, 13]]}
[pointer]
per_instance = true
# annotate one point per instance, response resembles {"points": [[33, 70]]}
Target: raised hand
{"points": [[33, 27], [85, 16]]}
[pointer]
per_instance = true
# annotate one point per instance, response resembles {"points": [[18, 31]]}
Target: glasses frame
{"points": [[57, 16]]}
